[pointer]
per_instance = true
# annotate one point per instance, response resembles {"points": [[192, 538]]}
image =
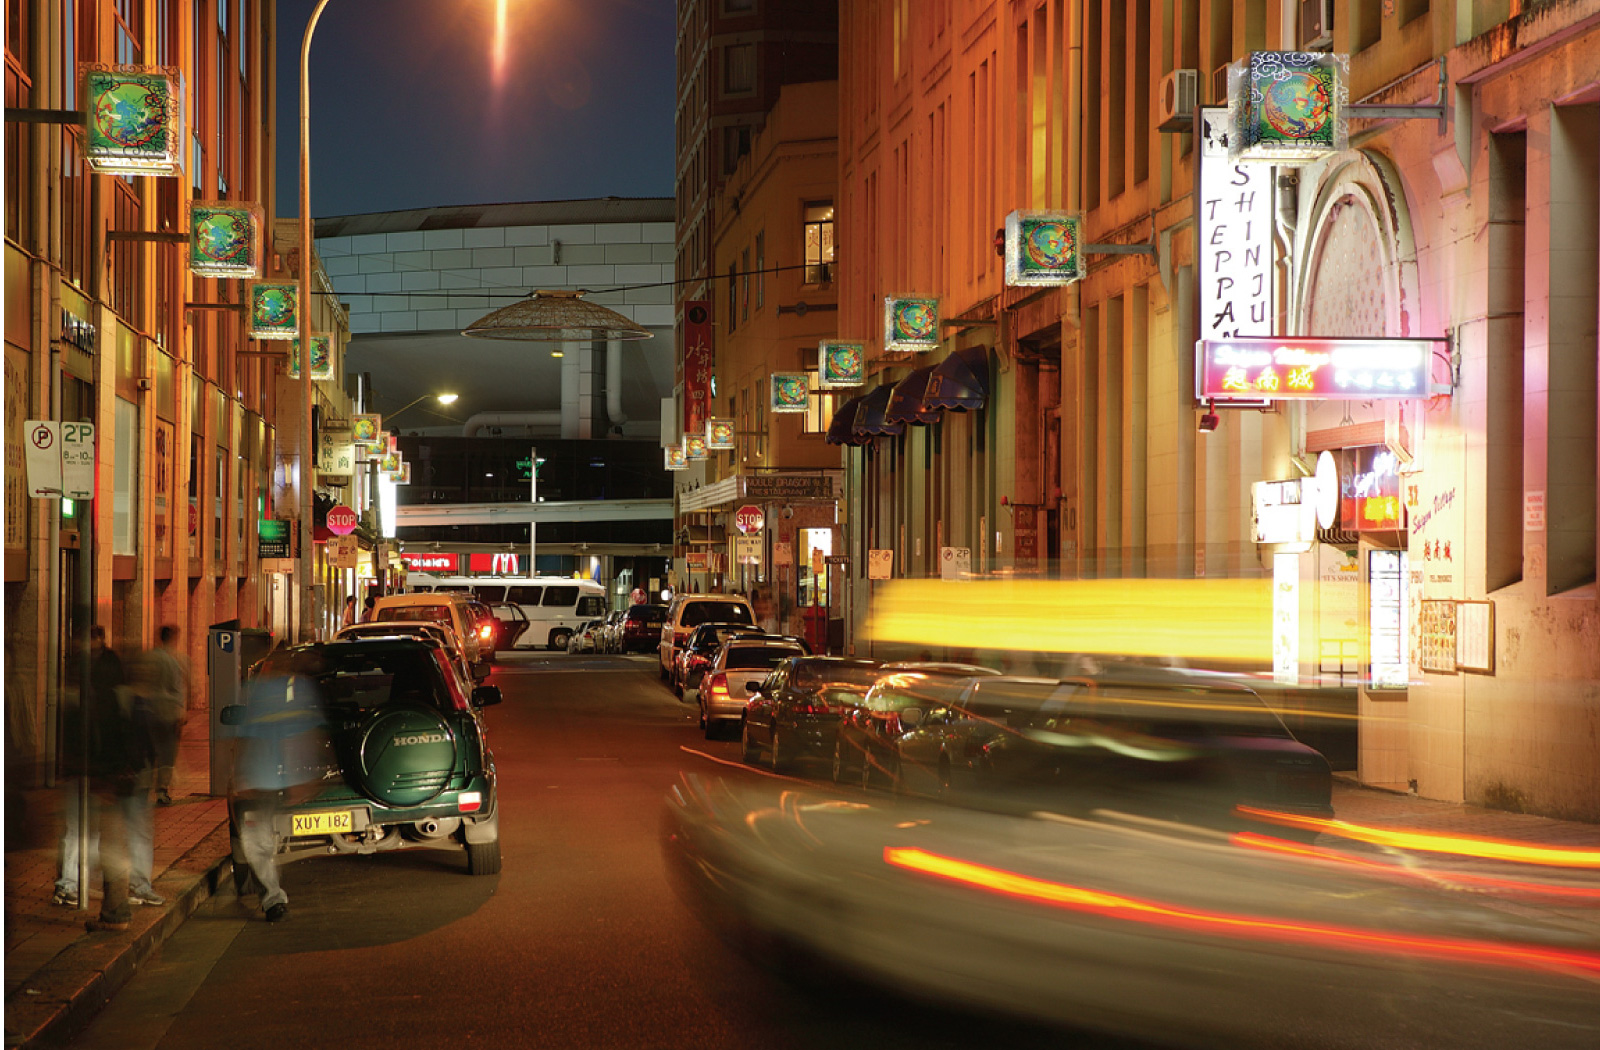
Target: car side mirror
{"points": [[233, 715], [911, 717], [486, 696], [754, 687]]}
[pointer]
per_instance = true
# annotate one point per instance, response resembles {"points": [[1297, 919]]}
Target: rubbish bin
{"points": [[230, 651]]}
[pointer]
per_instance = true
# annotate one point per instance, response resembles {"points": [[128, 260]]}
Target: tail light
{"points": [[717, 687], [486, 632], [811, 707], [469, 801]]}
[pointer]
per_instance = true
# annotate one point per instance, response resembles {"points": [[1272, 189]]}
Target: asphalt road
{"points": [[580, 942]]}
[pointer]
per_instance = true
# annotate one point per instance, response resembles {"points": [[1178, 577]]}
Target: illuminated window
{"points": [[819, 242]]}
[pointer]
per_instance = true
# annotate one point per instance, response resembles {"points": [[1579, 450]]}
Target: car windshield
{"points": [[365, 675], [697, 613], [648, 613], [423, 613], [851, 676], [709, 637], [769, 656]]}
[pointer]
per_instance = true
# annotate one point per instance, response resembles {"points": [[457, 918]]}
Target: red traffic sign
{"points": [[342, 521], [748, 519]]}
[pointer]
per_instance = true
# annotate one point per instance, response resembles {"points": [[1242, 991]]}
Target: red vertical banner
{"points": [[696, 365]]}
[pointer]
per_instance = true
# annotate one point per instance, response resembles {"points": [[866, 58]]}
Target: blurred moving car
{"points": [[641, 628], [689, 611], [867, 746], [699, 650], [735, 674], [450, 611], [582, 640], [513, 623], [795, 714], [385, 750]]}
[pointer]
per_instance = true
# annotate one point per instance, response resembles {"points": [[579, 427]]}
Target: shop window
{"points": [[819, 242]]}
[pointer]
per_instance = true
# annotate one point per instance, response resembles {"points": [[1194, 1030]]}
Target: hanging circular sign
{"points": [[1327, 486]]}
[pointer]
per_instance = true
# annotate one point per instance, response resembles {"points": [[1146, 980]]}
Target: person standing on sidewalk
{"points": [[169, 699], [108, 689]]}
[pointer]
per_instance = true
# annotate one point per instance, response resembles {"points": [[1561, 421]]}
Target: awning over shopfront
{"points": [[905, 400], [840, 429], [959, 383], [869, 422]]}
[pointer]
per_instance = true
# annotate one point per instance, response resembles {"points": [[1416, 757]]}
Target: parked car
{"points": [[387, 751], [451, 611], [487, 626], [554, 605], [641, 629], [697, 653], [405, 629], [582, 640], [795, 714], [868, 739], [513, 623], [689, 611], [741, 664]]}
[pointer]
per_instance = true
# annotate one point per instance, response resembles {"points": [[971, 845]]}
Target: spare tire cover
{"points": [[406, 756]]}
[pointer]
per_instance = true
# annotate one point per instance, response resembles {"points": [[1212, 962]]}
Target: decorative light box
{"points": [[321, 358], [365, 430], [133, 118], [674, 458], [1287, 107], [719, 434], [1042, 248], [694, 447], [404, 477], [225, 239], [790, 391], [274, 310], [910, 323], [841, 365]]}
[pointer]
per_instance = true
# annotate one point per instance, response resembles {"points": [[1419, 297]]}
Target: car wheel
{"points": [[711, 729], [747, 748], [779, 760], [483, 858], [559, 639], [677, 688], [704, 725]]}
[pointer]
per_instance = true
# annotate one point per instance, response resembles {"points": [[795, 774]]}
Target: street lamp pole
{"points": [[307, 388]]}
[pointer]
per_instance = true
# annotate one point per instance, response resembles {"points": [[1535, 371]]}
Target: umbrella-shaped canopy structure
{"points": [[905, 401], [841, 429], [960, 383], [556, 317], [869, 422]]}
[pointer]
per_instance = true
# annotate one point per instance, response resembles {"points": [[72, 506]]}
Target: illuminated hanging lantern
{"points": [[790, 391], [841, 364], [719, 434], [1043, 248], [1287, 107], [133, 119], [910, 323], [404, 477], [694, 447], [365, 430], [225, 239], [321, 358], [675, 459], [389, 465], [274, 310]]}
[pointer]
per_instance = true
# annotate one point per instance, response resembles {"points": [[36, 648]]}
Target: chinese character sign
{"points": [[225, 239], [1290, 368], [274, 310], [910, 323], [133, 119], [719, 434], [1234, 246], [1287, 107], [336, 453], [1042, 248], [696, 365], [841, 365], [321, 358], [790, 392]]}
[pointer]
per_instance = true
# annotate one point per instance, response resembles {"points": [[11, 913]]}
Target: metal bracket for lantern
{"points": [[1438, 111]]}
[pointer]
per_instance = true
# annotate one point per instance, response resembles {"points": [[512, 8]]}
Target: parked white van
{"points": [[555, 605]]}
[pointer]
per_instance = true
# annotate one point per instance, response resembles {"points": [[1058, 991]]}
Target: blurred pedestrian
{"points": [[109, 689], [765, 611], [168, 697]]}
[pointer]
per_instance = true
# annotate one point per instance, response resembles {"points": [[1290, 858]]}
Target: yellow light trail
{"points": [[1461, 845], [497, 58]]}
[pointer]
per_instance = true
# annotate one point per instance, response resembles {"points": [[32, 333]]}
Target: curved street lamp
{"points": [[443, 399]]}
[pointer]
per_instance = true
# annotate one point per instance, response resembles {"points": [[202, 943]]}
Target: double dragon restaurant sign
{"points": [[1283, 368]]}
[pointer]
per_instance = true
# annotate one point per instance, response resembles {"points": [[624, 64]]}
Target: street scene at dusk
{"points": [[802, 523]]}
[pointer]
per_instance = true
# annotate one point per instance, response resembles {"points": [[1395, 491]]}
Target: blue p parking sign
{"points": [[225, 641]]}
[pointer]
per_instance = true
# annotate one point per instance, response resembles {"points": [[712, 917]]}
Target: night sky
{"points": [[408, 111]]}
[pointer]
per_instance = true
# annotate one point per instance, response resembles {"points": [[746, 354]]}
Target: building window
{"points": [[735, 144], [818, 404], [744, 287], [739, 69], [819, 242], [733, 297], [129, 19], [738, 7], [761, 267]]}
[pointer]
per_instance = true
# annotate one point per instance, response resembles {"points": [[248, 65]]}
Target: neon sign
{"points": [[1289, 368], [429, 562]]}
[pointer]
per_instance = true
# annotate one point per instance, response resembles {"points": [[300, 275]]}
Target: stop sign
{"points": [[342, 521], [748, 519]]}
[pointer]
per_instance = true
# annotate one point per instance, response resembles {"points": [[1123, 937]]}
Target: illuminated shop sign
{"points": [[499, 563], [429, 562], [225, 239], [1386, 627], [133, 120], [1043, 248], [1369, 489], [321, 357], [274, 307], [674, 458], [1236, 291], [719, 434], [790, 391], [1287, 107], [694, 447], [841, 365], [1284, 511], [1308, 369], [910, 323]]}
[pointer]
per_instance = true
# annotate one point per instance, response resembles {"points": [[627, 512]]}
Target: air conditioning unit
{"points": [[1316, 24], [1180, 93]]}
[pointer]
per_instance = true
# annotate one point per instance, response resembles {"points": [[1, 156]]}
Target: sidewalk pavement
{"points": [[58, 975]]}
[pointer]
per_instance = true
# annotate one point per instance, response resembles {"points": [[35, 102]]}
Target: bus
{"points": [[555, 605]]}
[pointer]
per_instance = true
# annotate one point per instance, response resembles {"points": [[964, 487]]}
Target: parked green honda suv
{"points": [[363, 747]]}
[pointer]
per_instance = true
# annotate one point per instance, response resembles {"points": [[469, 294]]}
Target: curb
{"points": [[60, 1000]]}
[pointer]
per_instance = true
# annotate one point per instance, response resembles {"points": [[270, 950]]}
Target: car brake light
{"points": [[718, 687], [470, 801], [485, 632], [811, 707]]}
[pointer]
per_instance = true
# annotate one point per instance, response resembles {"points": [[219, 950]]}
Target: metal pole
{"points": [[533, 521], [307, 388], [85, 615]]}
